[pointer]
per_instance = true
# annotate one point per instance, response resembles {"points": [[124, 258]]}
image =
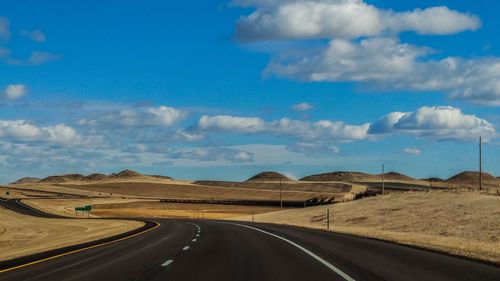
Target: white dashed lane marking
{"points": [[167, 262]]}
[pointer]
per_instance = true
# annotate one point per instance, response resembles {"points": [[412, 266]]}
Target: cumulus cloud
{"points": [[304, 106], [293, 19], [439, 122], [15, 91], [305, 130], [231, 123], [215, 153], [137, 117], [363, 46], [166, 116], [22, 130], [34, 35], [412, 150], [389, 64], [4, 29]]}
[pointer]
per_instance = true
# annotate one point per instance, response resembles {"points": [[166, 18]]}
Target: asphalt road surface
{"points": [[213, 250]]}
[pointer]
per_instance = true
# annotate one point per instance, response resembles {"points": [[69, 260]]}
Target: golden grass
{"points": [[194, 191], [461, 223], [11, 193], [24, 235], [177, 210], [51, 188], [116, 208], [66, 207]]}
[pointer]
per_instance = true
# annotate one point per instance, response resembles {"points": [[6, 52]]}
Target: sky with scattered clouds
{"points": [[230, 88]]}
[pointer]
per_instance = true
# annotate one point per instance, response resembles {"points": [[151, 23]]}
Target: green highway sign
{"points": [[86, 208]]}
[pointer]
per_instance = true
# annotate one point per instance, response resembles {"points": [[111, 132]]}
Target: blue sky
{"points": [[226, 89]]}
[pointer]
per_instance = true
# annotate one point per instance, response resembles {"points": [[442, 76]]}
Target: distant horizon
{"points": [[233, 87], [249, 176]]}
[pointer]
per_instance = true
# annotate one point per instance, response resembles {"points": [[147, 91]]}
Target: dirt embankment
{"points": [[461, 223], [22, 235]]}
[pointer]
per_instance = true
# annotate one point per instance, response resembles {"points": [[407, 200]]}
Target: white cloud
{"points": [[18, 129], [363, 47], [21, 130], [412, 150], [292, 19], [435, 20], [166, 116], [34, 35], [188, 136], [387, 63], [4, 29], [231, 123], [439, 122], [304, 106], [214, 153], [136, 117], [62, 134], [285, 127], [15, 91]]}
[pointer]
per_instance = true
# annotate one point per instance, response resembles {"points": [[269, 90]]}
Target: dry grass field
{"points": [[175, 210], [116, 208], [66, 207], [462, 223], [15, 193], [24, 235], [47, 190], [266, 191]]}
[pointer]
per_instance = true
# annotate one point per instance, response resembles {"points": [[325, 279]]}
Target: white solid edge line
{"points": [[325, 263], [185, 248], [167, 262]]}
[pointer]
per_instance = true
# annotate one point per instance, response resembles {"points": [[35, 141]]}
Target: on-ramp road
{"points": [[213, 250]]}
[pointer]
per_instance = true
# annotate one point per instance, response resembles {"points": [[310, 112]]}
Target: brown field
{"points": [[66, 207], [116, 208], [15, 193], [174, 210], [24, 235], [260, 191], [47, 190], [461, 223]]}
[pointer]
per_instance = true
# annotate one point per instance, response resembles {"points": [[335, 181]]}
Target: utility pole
{"points": [[383, 182], [281, 198], [480, 163]]}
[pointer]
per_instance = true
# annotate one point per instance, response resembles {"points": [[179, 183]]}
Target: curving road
{"points": [[214, 250]]}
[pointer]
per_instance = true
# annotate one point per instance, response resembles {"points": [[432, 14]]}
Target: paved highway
{"points": [[213, 250]]}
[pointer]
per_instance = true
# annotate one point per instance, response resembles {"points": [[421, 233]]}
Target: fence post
{"points": [[328, 219]]}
